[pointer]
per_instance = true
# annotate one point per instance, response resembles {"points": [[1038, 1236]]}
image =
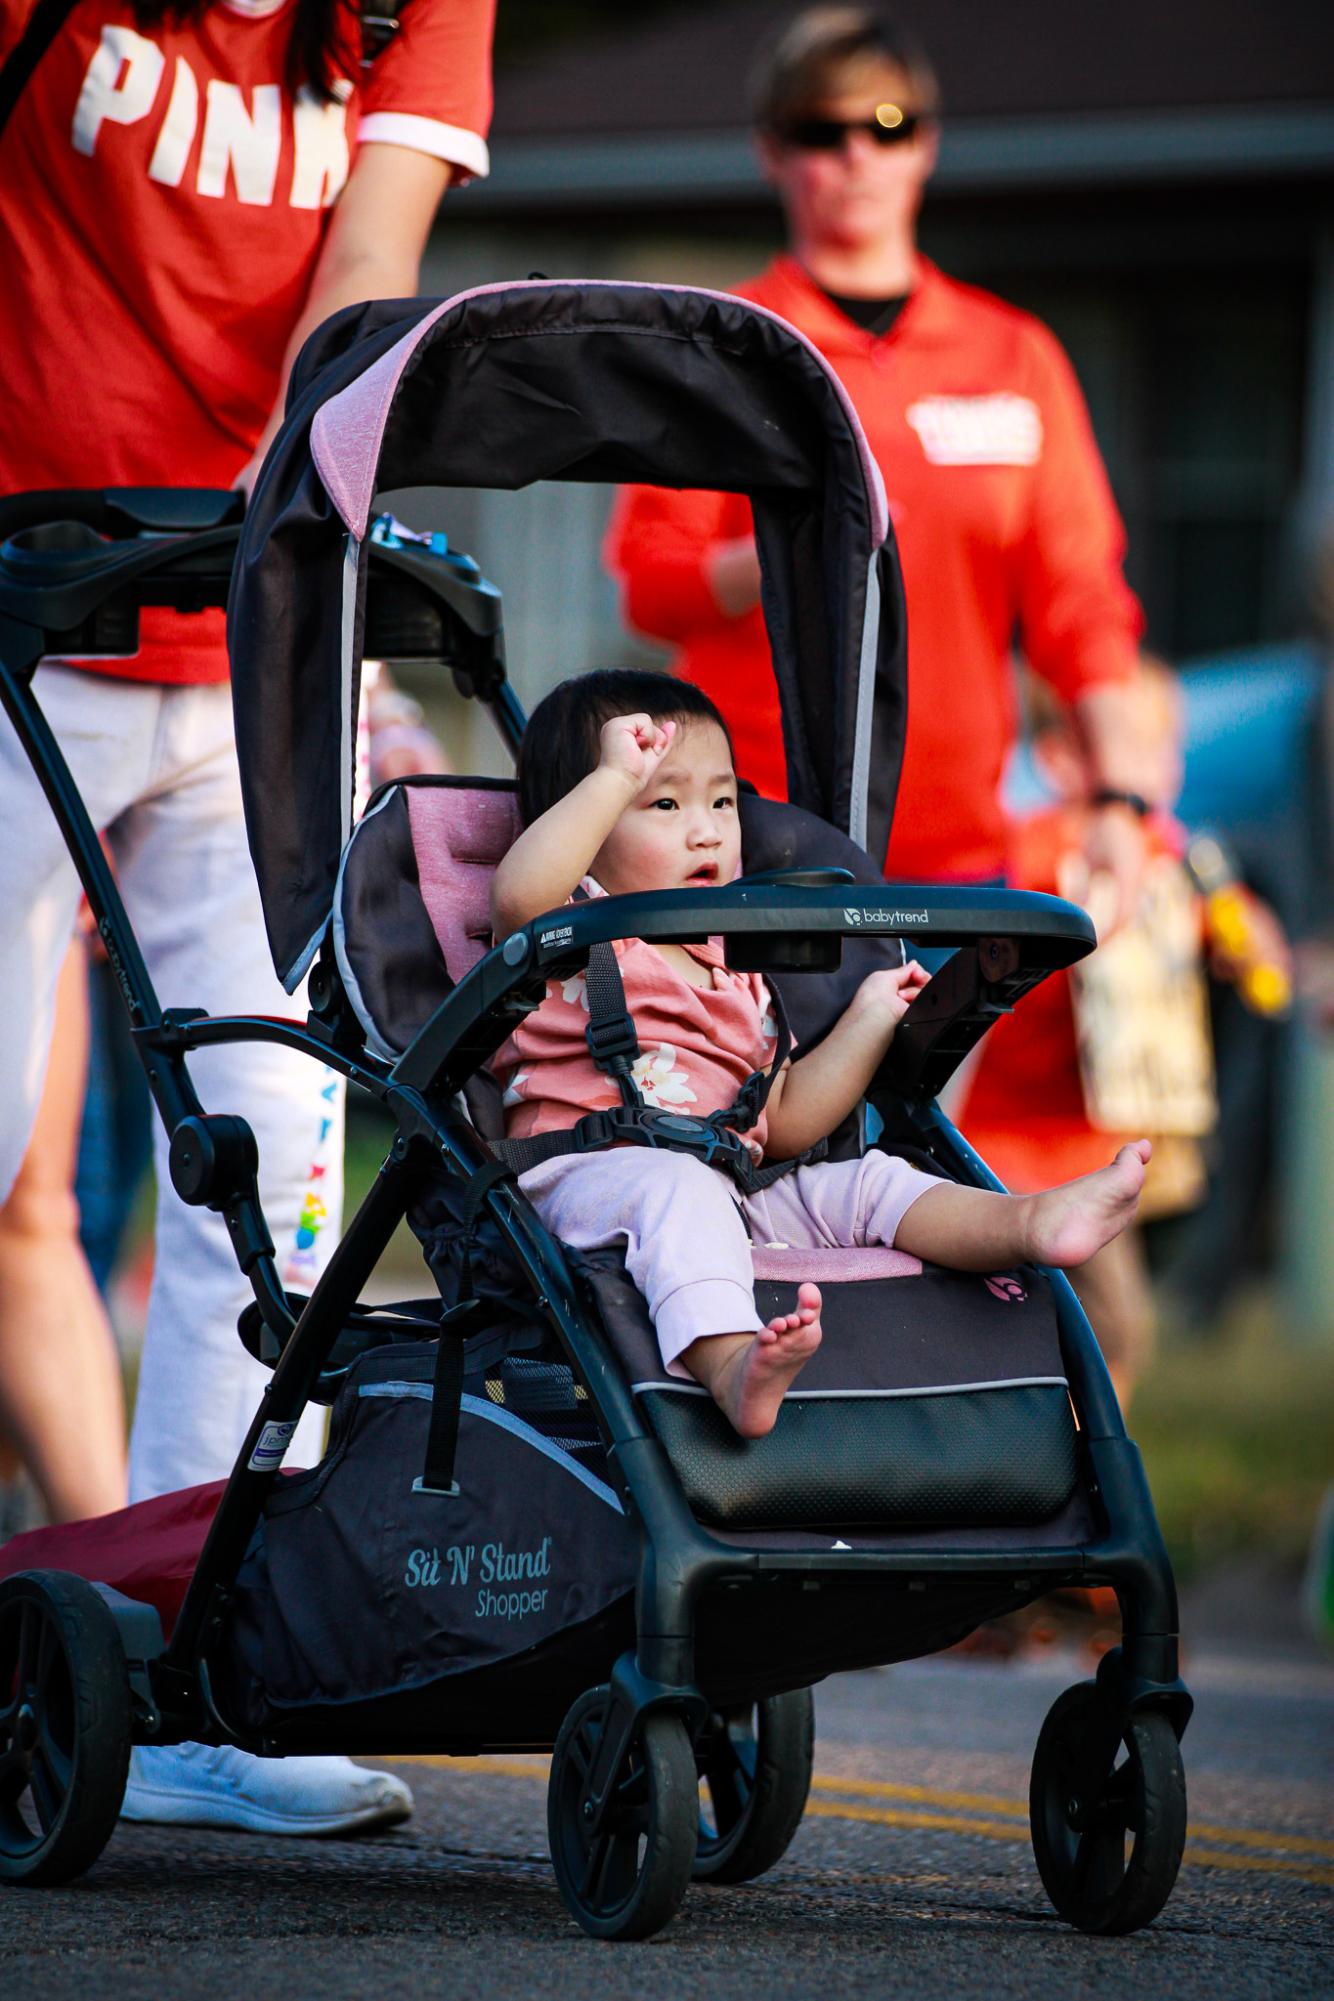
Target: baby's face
{"points": [[682, 831]]}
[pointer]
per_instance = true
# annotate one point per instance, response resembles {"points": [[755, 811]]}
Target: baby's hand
{"points": [[634, 747], [890, 992]]}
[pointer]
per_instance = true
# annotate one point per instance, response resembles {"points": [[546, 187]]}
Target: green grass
{"points": [[1237, 1433], [369, 1134]]}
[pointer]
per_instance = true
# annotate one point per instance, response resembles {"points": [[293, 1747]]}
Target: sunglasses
{"points": [[826, 135]]}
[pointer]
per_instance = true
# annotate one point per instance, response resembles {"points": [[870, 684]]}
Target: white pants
{"points": [[157, 770]]}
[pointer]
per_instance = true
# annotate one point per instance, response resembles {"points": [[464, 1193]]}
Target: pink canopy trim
{"points": [[347, 453], [348, 430]]}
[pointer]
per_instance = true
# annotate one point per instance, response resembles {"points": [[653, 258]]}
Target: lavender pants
{"points": [[687, 1233]]}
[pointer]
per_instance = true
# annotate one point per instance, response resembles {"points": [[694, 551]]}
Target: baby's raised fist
{"points": [[634, 747]]}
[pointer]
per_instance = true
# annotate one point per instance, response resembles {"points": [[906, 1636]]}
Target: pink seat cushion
{"points": [[829, 1267], [459, 834]]}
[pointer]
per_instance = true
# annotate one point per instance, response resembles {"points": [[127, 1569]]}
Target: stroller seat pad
{"points": [[459, 836], [412, 910]]}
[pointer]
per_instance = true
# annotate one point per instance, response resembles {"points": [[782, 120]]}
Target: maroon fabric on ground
{"points": [[147, 1552]]}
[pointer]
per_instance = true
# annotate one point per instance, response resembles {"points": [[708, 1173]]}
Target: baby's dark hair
{"points": [[562, 742]]}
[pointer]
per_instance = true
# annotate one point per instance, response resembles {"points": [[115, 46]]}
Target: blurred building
{"points": [[1156, 182]]}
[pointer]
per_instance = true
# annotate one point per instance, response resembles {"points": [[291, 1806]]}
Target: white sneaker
{"points": [[204, 1785]]}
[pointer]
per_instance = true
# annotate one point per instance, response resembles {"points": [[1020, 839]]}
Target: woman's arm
{"points": [[1079, 621], [372, 250], [814, 1094], [551, 857], [685, 562]]}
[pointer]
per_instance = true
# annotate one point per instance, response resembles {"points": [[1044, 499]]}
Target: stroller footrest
{"points": [[985, 1457]]}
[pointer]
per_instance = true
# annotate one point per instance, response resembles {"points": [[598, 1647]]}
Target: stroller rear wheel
{"points": [[754, 1777], [626, 1880], [1107, 1836], [64, 1727]]}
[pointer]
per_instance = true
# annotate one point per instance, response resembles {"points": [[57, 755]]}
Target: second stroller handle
{"points": [[119, 511]]}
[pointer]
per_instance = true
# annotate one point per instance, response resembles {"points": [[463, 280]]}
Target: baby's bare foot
{"points": [[1068, 1224], [754, 1385]]}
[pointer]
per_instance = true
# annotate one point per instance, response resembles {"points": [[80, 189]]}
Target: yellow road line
{"points": [[1212, 1858], [495, 1768], [829, 1782], [1252, 1837], [1284, 1846], [1203, 1858], [1243, 1837], [890, 1816]]}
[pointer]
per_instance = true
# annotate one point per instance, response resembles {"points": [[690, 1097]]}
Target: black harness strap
{"points": [[379, 25], [456, 1324], [610, 1035]]}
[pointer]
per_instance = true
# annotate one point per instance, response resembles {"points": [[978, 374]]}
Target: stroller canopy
{"points": [[555, 380]]}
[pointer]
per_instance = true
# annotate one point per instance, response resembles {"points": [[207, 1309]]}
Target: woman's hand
{"points": [[889, 993], [733, 573], [633, 747]]}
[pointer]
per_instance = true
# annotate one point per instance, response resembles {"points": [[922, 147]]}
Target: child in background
{"points": [[626, 783], [1125, 1031]]}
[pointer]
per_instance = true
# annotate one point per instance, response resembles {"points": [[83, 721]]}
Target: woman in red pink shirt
{"points": [[188, 188], [1001, 508]]}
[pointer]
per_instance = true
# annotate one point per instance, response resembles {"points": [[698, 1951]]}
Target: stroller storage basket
{"points": [[358, 1586]]}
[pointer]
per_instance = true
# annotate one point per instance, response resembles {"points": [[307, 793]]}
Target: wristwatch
{"points": [[1112, 795]]}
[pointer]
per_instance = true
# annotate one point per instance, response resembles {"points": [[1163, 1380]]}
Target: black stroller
{"points": [[524, 1534]]}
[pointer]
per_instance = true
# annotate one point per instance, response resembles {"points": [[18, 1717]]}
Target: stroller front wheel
{"points": [[755, 1774], [64, 1727], [628, 1878], [1107, 1835]]}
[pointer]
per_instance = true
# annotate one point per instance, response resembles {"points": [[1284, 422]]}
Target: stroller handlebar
{"points": [[1009, 940], [1047, 931], [125, 510]]}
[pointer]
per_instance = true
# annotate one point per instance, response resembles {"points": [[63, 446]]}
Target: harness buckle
{"points": [[594, 1131], [612, 1040], [715, 1144]]}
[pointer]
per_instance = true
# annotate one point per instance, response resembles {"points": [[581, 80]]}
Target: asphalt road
{"points": [[911, 1875]]}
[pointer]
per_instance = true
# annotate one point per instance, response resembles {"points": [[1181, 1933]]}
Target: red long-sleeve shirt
{"points": [[1005, 523]]}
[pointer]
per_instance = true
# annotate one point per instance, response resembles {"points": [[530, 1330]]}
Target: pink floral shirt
{"points": [[697, 1045]]}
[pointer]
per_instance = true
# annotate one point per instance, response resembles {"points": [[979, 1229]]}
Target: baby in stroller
{"points": [[627, 783]]}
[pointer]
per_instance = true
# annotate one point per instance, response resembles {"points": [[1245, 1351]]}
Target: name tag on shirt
{"points": [[999, 430]]}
